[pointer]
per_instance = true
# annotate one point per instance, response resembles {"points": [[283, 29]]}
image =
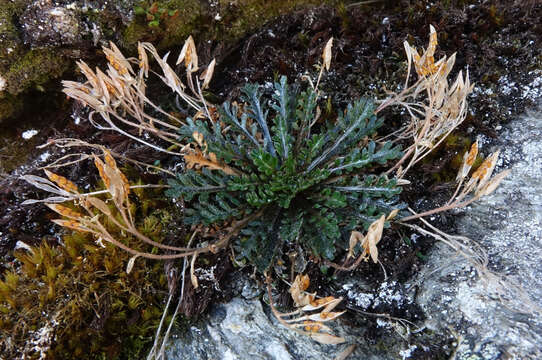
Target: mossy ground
{"points": [[73, 298], [24, 70]]}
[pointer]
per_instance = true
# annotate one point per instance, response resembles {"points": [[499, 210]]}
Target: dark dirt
{"points": [[497, 41]]}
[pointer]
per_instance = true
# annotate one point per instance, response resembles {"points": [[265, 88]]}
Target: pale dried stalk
{"points": [[154, 353], [118, 94], [312, 324], [435, 107], [69, 143], [507, 290], [118, 188], [480, 183]]}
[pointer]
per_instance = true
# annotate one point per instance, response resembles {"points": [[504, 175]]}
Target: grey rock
{"points": [[507, 224], [245, 328], [242, 329], [46, 24]]}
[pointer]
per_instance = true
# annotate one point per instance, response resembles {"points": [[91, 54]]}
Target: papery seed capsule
{"points": [[65, 211], [109, 160], [62, 182], [71, 224], [100, 166]]}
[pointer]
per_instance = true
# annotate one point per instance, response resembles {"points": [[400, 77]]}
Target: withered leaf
{"points": [[324, 338], [326, 55], [130, 265], [207, 75], [196, 159]]}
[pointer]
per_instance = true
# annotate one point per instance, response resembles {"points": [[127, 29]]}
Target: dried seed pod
{"points": [[492, 184], [484, 171], [65, 211], [189, 55], [355, 238], [374, 234], [468, 161], [207, 75], [326, 55], [99, 204], [143, 59], [62, 182], [101, 170], [71, 224]]}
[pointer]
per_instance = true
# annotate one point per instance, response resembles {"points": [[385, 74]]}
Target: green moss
{"points": [[9, 37], [228, 21], [171, 30], [81, 291], [248, 15], [9, 106], [35, 68], [23, 69]]}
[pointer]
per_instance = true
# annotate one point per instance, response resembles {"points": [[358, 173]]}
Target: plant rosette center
{"points": [[288, 179]]}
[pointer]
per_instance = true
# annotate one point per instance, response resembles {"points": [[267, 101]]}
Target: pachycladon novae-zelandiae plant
{"points": [[294, 180]]}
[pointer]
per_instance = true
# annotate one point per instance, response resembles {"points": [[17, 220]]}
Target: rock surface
{"points": [[246, 329], [47, 25], [241, 329], [508, 225], [454, 297]]}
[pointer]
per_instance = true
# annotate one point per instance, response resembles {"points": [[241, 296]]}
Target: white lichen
{"points": [[29, 134]]}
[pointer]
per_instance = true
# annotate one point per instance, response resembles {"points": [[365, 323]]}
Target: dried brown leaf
{"points": [[207, 75], [62, 182], [326, 55], [196, 159], [324, 338]]}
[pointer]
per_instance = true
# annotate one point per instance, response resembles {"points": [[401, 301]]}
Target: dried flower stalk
{"points": [[435, 107], [306, 320]]}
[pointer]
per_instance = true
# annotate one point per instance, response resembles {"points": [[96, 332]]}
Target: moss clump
{"points": [[169, 31], [76, 300], [30, 72], [9, 37], [35, 68], [22, 69], [225, 21], [9, 105], [248, 15]]}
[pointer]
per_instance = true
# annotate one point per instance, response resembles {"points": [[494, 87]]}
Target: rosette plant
{"points": [[282, 178]]}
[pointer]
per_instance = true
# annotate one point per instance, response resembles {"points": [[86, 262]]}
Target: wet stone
{"points": [[45, 24]]}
